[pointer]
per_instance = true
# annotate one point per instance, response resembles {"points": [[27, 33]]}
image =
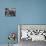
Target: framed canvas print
{"points": [[10, 11]]}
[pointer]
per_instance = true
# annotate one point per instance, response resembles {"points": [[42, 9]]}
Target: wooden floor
{"points": [[30, 43], [7, 45]]}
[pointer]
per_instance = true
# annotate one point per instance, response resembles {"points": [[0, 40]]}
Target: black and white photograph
{"points": [[10, 11]]}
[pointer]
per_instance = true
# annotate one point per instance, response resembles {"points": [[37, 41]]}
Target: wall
{"points": [[27, 12], [7, 24], [31, 11]]}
